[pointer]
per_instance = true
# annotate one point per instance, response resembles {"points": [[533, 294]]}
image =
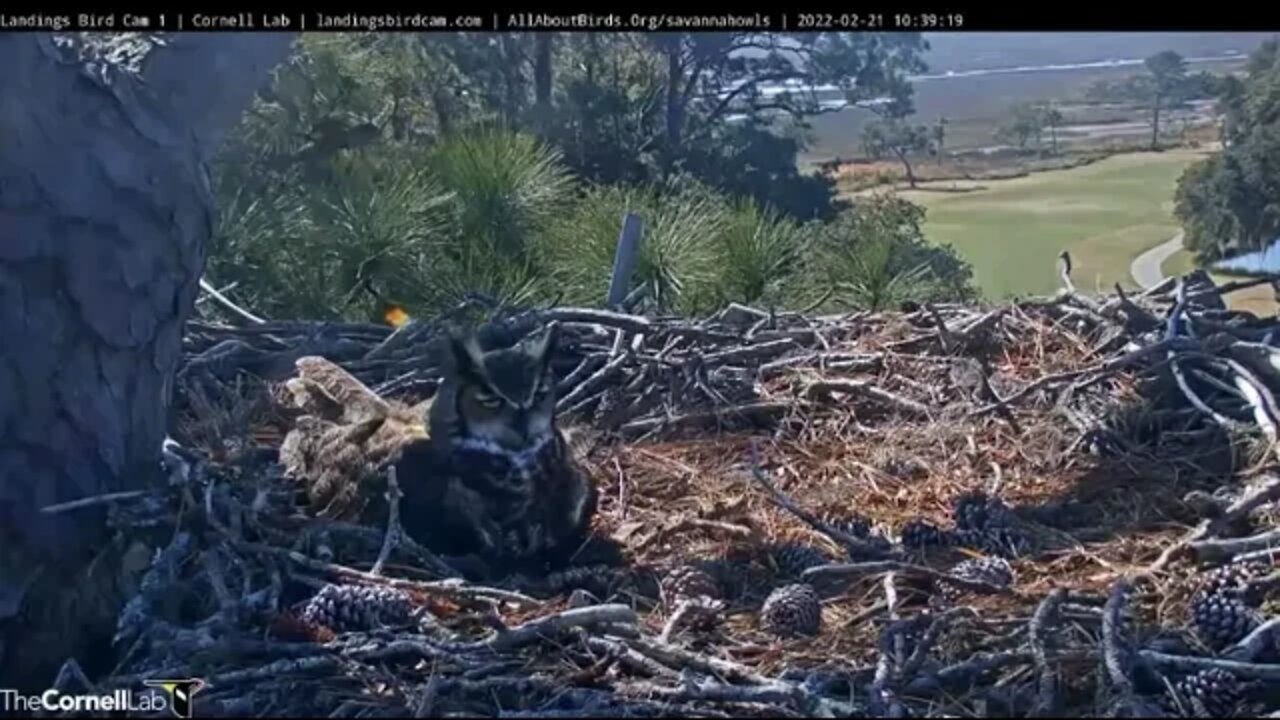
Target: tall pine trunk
{"points": [[1155, 123], [105, 213], [543, 56], [543, 81], [674, 107]]}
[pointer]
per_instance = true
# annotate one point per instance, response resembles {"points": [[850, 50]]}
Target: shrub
{"points": [[676, 257], [874, 256], [496, 213]]}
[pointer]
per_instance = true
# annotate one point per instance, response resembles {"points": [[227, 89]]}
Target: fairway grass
{"points": [[1105, 214]]}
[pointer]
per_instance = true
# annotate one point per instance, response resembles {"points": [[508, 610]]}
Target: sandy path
{"points": [[1147, 268]]}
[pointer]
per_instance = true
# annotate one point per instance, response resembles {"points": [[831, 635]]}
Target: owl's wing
{"points": [[299, 448], [393, 437], [328, 380], [332, 463], [312, 399], [421, 409]]}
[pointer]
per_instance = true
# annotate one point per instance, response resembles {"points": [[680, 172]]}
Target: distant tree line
{"points": [[1166, 84], [1027, 122]]}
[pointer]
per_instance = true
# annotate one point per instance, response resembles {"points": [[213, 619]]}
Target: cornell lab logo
{"points": [[181, 693]]}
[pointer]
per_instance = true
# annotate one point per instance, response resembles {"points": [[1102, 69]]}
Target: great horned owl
{"points": [[506, 483], [345, 438]]}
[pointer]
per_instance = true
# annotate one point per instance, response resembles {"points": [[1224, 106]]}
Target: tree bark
{"points": [[906, 164], [543, 65], [105, 214], [442, 105], [675, 110], [513, 87], [1155, 123], [542, 69]]}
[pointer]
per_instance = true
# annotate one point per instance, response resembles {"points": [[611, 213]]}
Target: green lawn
{"points": [[1105, 214], [1179, 263]]}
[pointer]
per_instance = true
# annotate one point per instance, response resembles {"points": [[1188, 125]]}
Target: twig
{"points": [[1186, 663], [843, 570], [1113, 651], [1210, 550], [394, 531], [755, 412], [1262, 639], [676, 657], [552, 625], [1046, 615], [854, 544], [629, 656], [1235, 512], [592, 383], [94, 500], [398, 337], [930, 638], [944, 335], [866, 389], [451, 589], [1104, 368], [225, 302], [883, 704]]}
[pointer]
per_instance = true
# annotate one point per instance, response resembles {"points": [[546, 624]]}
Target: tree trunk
{"points": [[674, 115], [542, 69], [104, 219], [442, 106], [513, 88], [592, 57], [911, 176], [543, 56], [1155, 124]]}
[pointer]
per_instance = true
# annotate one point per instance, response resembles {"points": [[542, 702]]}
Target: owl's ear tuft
{"points": [[542, 345], [466, 355]]}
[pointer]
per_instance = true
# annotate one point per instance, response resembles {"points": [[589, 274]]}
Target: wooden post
{"points": [[625, 259]]}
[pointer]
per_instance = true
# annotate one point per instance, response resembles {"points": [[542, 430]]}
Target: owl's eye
{"points": [[488, 400]]}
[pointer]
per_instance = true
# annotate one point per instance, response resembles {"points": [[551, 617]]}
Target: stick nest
{"points": [[1126, 442]]}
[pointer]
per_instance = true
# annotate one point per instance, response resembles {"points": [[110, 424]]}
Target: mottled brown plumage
{"points": [[512, 491], [493, 477], [347, 435]]}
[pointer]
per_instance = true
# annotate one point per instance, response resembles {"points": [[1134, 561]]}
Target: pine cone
{"points": [[687, 581], [1233, 581], [793, 558], [595, 579], [346, 608], [979, 511], [991, 570], [699, 614], [733, 576], [920, 533], [859, 527], [1217, 691], [849, 524], [1221, 620], [792, 610], [1004, 542]]}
